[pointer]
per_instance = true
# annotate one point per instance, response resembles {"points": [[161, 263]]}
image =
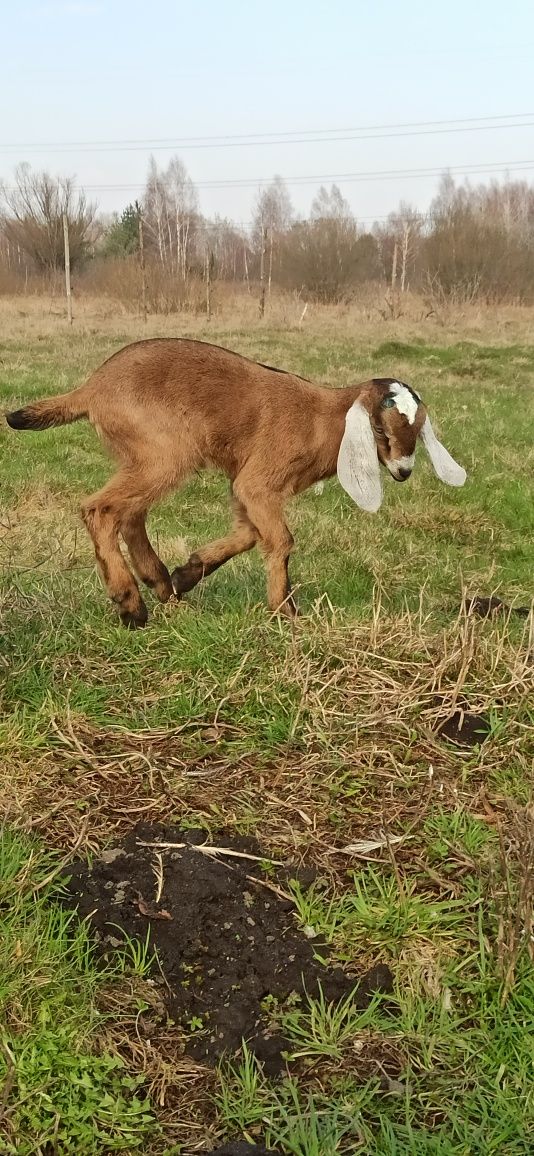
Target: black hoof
{"points": [[185, 578], [134, 621]]}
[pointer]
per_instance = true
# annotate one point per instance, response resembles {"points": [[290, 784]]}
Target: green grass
{"points": [[62, 1090], [465, 1087], [465, 1060], [316, 738]]}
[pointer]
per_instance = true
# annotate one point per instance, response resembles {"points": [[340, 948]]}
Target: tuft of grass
{"points": [[135, 957], [380, 910], [325, 1028], [313, 1126], [242, 1095]]}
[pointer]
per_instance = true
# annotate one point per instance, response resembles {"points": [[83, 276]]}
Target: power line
{"points": [[290, 133], [304, 136], [371, 175], [487, 168]]}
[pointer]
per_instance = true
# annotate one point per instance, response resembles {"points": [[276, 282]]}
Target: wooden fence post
{"points": [[142, 263], [67, 267]]}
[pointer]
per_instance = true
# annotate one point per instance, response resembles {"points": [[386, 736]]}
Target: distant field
{"points": [[311, 738]]}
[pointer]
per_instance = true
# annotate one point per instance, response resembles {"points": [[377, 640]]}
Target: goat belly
{"points": [[222, 456]]}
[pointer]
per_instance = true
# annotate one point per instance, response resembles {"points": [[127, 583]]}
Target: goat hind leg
{"points": [[120, 507], [147, 565], [102, 514], [102, 523]]}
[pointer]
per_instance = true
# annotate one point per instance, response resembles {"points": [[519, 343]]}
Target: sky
{"points": [[92, 88]]}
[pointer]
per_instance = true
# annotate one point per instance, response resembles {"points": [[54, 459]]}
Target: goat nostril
{"points": [[404, 473]]}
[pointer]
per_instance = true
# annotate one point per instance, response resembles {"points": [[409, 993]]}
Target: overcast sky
{"points": [[91, 87]]}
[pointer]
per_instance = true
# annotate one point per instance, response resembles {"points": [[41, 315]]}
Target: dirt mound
{"points": [[224, 931]]}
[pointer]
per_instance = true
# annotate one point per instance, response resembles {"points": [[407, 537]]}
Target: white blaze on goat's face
{"points": [[407, 401]]}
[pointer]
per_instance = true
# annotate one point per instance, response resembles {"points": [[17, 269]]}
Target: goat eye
{"points": [[388, 403]]}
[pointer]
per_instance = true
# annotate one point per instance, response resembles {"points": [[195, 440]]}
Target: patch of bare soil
{"points": [[465, 729], [224, 930], [487, 607]]}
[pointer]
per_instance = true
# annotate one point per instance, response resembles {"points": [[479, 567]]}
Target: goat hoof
{"points": [[133, 621], [287, 609], [161, 585], [185, 578], [164, 591]]}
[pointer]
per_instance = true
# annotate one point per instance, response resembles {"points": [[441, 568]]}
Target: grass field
{"points": [[316, 737]]}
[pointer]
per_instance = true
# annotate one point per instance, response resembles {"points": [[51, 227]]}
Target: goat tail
{"points": [[60, 410]]}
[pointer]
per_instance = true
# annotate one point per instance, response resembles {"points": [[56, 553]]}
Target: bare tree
{"points": [[399, 244], [183, 203], [154, 209], [230, 248], [262, 272], [272, 218], [331, 206], [170, 213], [35, 207], [325, 254]]}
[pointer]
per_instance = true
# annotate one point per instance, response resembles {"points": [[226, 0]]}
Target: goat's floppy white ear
{"points": [[444, 466], [358, 468]]}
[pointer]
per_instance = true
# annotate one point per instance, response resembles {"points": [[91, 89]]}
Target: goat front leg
{"points": [[276, 543], [208, 558]]}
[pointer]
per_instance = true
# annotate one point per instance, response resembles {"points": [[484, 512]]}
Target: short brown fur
{"points": [[167, 407]]}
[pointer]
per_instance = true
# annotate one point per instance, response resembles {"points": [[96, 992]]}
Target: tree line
{"points": [[474, 243]]}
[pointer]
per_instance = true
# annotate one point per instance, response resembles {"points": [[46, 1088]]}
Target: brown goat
{"points": [[167, 407]]}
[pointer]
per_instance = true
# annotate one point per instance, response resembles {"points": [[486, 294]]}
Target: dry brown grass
{"points": [[35, 316]]}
